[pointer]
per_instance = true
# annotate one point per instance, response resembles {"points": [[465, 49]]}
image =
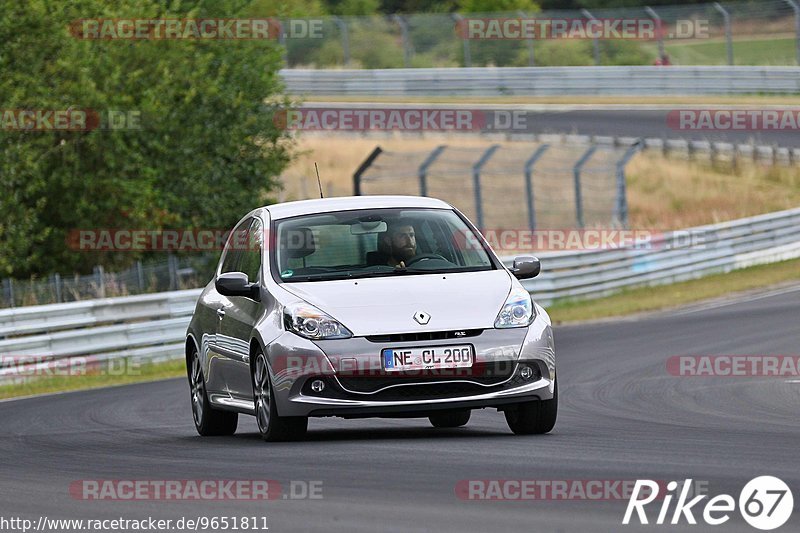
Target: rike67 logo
{"points": [[765, 503]]}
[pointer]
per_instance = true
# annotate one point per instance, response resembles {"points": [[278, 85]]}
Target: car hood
{"points": [[384, 305]]}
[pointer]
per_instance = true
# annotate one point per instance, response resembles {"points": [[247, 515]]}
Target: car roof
{"points": [[345, 203]]}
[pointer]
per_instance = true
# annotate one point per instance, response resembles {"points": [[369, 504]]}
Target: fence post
{"points": [[140, 276], [476, 182], [529, 42], [8, 286], [659, 30], [464, 39], [595, 42], [363, 168], [57, 286], [173, 272], [403, 23], [101, 281], [423, 169], [342, 25], [796, 9], [576, 173], [529, 184], [621, 205], [728, 37], [282, 42]]}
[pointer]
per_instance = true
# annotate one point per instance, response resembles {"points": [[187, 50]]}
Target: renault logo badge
{"points": [[422, 317]]}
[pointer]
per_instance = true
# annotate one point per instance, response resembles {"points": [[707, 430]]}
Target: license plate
{"points": [[431, 357]]}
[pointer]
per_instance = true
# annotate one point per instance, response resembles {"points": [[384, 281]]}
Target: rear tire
{"points": [[534, 418], [273, 428], [207, 420], [450, 419]]}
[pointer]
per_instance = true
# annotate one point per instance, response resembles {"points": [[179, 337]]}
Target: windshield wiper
{"points": [[358, 275]]}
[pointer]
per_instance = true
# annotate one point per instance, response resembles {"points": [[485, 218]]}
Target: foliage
{"points": [[206, 151]]}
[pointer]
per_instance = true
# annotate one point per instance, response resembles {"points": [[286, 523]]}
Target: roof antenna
{"points": [[318, 180]]}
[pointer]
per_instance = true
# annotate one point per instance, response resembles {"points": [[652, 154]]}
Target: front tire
{"points": [[207, 420], [273, 428], [450, 419], [534, 418]]}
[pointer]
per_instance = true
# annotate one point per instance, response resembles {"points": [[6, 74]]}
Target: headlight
{"points": [[517, 312], [311, 323]]}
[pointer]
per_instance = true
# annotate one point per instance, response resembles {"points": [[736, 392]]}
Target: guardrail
{"points": [[37, 340], [671, 257], [152, 327], [544, 81]]}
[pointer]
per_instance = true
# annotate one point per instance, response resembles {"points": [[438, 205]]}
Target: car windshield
{"points": [[374, 243]]}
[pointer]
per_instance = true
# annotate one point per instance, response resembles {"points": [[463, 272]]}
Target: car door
{"points": [[223, 353], [240, 316]]}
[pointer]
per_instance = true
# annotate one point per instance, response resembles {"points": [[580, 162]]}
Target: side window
{"points": [[234, 247], [250, 262]]}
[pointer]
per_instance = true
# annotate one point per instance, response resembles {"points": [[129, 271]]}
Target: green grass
{"points": [[90, 380], [767, 51], [665, 296]]}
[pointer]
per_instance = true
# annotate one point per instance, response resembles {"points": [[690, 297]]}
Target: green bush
{"points": [[206, 152]]}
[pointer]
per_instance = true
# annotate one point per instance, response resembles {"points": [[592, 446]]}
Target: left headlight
{"points": [[309, 322], [517, 311]]}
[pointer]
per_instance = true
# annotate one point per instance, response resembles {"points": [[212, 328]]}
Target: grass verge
{"points": [[90, 380], [666, 296]]}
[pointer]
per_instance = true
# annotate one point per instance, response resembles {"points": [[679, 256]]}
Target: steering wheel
{"points": [[422, 257]]}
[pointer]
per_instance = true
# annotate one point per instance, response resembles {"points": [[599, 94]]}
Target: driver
{"points": [[400, 241]]}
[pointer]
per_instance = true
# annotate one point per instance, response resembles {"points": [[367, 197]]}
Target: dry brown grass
{"points": [[663, 193], [673, 193]]}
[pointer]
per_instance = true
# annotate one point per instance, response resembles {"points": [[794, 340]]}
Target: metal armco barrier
{"points": [[152, 327], [545, 81], [672, 257]]}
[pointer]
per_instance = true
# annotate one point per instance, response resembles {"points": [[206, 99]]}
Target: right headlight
{"points": [[518, 310], [309, 322]]}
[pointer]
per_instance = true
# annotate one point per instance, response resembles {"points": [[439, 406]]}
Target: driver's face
{"points": [[404, 243]]}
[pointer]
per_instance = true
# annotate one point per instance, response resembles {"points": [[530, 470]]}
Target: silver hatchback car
{"points": [[368, 306]]}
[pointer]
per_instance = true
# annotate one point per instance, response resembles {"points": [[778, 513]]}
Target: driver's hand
{"points": [[402, 264]]}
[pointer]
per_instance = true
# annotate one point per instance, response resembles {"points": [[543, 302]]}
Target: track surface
{"points": [[622, 417], [647, 123], [603, 119]]}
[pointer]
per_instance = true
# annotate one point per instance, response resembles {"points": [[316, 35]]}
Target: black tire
{"points": [[450, 419], [534, 418], [207, 420], [271, 426]]}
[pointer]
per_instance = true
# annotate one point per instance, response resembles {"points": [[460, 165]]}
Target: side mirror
{"points": [[237, 284], [526, 267]]}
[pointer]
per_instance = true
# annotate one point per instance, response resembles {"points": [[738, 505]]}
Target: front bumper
{"points": [[295, 362]]}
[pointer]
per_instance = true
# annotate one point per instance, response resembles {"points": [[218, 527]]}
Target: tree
{"points": [[206, 150]]}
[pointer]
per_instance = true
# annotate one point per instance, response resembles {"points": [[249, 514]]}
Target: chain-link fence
{"points": [[536, 186], [745, 33], [174, 273]]}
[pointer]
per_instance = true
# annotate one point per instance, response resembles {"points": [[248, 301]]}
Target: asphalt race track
{"points": [[638, 122], [622, 417]]}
